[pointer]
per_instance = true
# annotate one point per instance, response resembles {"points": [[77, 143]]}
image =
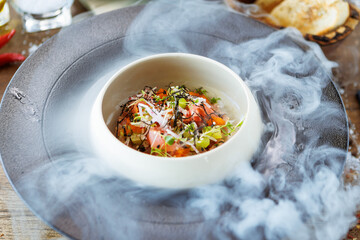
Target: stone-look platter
{"points": [[81, 54]]}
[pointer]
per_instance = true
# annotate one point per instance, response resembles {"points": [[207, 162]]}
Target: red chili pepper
{"points": [[10, 57], [6, 37]]}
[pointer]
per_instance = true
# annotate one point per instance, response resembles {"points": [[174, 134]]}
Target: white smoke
{"points": [[291, 190]]}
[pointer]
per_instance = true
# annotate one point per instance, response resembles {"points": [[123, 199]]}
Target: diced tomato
{"points": [[135, 108], [136, 129], [182, 152], [198, 113], [124, 130], [161, 93], [129, 128], [124, 121], [216, 119]]}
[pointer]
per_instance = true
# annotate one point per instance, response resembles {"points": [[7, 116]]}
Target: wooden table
{"points": [[16, 221]]}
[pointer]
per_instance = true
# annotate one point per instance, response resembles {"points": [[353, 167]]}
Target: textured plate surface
{"points": [[82, 53]]}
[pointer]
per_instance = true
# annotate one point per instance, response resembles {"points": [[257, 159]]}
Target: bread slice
{"points": [[344, 12], [310, 16], [268, 5]]}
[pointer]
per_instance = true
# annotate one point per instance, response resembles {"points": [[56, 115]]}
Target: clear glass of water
{"points": [[40, 15]]}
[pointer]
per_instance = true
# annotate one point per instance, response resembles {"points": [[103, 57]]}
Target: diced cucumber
{"points": [[121, 132], [136, 139], [203, 143], [169, 140], [182, 103], [187, 134], [216, 133]]}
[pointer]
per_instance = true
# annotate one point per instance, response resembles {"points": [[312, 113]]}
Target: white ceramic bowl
{"points": [[193, 71]]}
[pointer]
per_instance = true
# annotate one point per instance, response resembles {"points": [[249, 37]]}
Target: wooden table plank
{"points": [[16, 220]]}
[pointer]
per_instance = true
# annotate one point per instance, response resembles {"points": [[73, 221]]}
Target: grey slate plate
{"points": [[81, 54]]}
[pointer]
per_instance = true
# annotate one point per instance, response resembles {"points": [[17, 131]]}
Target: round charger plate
{"points": [[80, 54]]}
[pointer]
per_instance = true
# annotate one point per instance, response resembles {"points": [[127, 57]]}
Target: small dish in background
{"points": [[263, 9]]}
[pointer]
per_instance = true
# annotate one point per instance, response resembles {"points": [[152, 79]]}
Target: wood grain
{"points": [[16, 220]]}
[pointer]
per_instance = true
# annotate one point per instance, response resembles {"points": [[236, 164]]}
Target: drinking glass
{"points": [[4, 13], [40, 15]]}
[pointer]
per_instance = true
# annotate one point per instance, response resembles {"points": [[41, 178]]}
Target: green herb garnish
{"points": [[160, 152], [214, 100], [169, 140], [200, 90]]}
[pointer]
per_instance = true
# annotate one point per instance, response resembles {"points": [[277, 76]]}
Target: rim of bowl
{"points": [[162, 55]]}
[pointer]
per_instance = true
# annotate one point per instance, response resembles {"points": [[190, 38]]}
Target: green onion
{"points": [[192, 127], [169, 140], [231, 128], [159, 99], [206, 129]]}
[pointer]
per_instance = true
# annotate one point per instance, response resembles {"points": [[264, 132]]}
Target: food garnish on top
{"points": [[173, 122]]}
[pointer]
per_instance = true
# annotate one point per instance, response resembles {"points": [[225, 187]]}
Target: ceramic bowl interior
{"points": [[172, 69]]}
